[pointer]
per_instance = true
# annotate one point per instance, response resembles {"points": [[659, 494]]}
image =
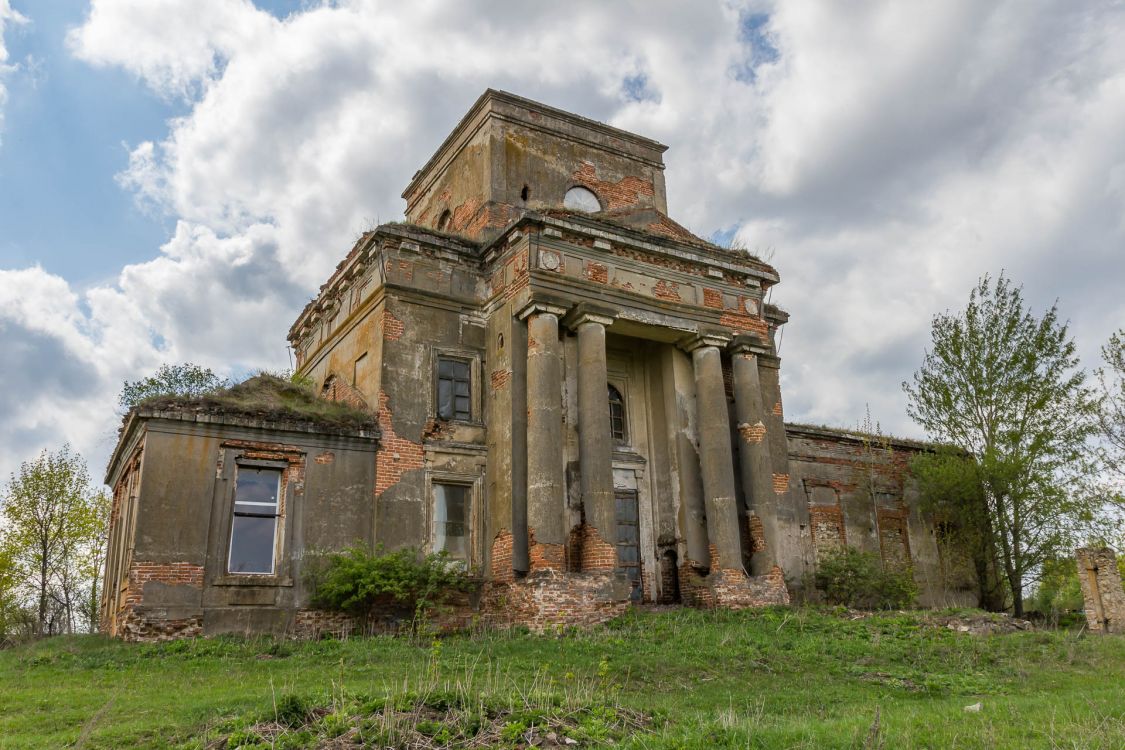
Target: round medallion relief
{"points": [[549, 260]]}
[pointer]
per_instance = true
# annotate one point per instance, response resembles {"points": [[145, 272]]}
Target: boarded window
{"points": [[253, 536], [453, 390], [451, 520]]}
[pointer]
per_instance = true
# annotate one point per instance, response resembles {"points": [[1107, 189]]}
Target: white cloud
{"points": [[891, 154], [8, 17]]}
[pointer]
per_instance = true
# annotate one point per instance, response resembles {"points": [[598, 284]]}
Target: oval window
{"points": [[579, 198]]}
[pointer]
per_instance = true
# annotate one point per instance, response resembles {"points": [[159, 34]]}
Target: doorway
{"points": [[628, 540]]}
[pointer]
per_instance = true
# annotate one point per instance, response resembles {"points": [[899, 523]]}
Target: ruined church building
{"points": [[570, 392]]}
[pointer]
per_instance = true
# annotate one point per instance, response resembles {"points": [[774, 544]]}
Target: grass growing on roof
{"points": [[774, 678], [268, 396]]}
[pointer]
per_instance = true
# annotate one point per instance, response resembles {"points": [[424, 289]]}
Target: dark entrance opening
{"points": [[629, 540]]}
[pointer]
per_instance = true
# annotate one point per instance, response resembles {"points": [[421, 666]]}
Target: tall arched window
{"points": [[617, 416], [443, 221]]}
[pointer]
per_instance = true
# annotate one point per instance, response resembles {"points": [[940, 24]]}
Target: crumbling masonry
{"points": [[570, 392]]}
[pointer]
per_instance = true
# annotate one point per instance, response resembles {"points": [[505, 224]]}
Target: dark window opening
{"points": [[253, 536], [443, 220], [525, 193], [451, 520], [617, 416], [454, 390]]}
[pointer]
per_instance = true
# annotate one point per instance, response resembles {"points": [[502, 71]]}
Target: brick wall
{"points": [[732, 589], [622, 193], [134, 623], [396, 455], [547, 599]]}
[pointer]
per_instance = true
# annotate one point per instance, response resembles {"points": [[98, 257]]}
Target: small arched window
{"points": [[579, 198], [617, 416], [443, 220]]}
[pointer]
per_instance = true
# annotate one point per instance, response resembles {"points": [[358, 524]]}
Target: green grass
{"points": [[776, 678]]}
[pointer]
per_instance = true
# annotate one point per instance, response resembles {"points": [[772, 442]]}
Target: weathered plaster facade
{"points": [[592, 396]]}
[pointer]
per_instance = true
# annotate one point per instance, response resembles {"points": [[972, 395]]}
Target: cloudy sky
{"points": [[178, 176]]}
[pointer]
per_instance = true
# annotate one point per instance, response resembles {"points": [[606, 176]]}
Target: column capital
{"points": [[703, 339], [536, 306], [585, 312], [745, 343]]}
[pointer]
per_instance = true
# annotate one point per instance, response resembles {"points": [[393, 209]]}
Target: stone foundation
{"points": [[550, 598], [1101, 590], [732, 589], [140, 626]]}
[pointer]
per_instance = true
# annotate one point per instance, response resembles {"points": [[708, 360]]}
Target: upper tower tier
{"points": [[509, 154]]}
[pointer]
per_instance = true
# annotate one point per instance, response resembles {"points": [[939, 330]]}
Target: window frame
{"points": [[278, 516], [623, 403], [234, 454], [472, 487], [472, 360]]}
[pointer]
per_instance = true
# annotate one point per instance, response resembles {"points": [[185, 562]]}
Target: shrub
{"points": [[361, 582], [853, 578]]}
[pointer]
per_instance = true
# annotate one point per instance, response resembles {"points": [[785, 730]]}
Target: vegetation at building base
{"points": [[401, 582], [684, 678], [852, 578]]}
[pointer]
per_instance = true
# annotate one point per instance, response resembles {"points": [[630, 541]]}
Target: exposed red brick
{"points": [[732, 589], [544, 556], [553, 598], [392, 326], [325, 457], [396, 455], [499, 379], [757, 534], [780, 483], [752, 433], [777, 408], [622, 193], [826, 523], [740, 321], [594, 552], [500, 557], [340, 390], [597, 272], [667, 290], [712, 298]]}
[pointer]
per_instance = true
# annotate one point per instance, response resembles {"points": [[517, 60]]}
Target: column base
{"points": [[546, 599], [732, 589]]}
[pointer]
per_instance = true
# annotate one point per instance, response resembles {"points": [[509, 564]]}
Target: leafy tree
{"points": [[171, 380], [51, 519], [16, 621], [950, 486], [1005, 387], [1111, 415]]}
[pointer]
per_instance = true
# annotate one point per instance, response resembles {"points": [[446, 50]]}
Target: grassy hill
{"points": [[776, 678]]}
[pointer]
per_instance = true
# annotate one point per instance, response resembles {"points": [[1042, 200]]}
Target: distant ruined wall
{"points": [[861, 493], [1101, 589]]}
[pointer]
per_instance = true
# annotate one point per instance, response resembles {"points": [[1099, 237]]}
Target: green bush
{"points": [[361, 582], [858, 579]]}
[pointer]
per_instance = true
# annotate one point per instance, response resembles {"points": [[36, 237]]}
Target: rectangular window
{"points": [[253, 535], [451, 520], [453, 390]]}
